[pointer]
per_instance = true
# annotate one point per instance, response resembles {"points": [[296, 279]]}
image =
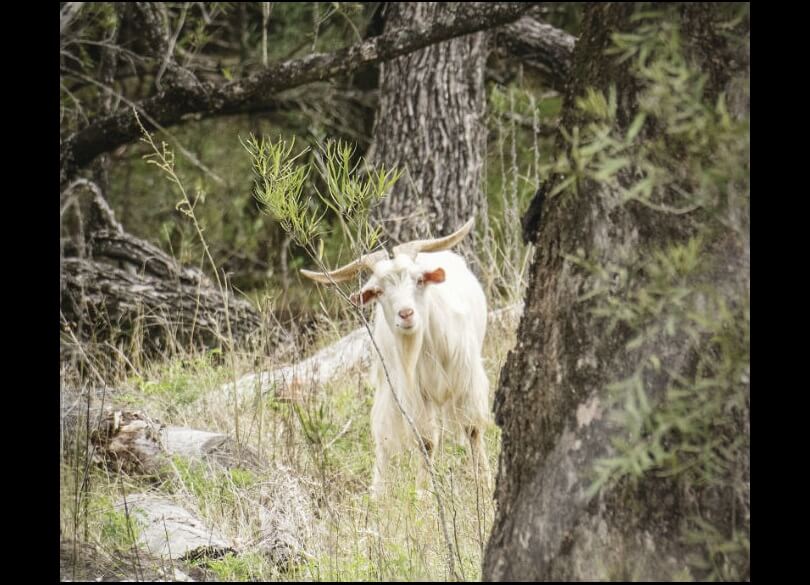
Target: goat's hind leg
{"points": [[423, 482], [478, 456]]}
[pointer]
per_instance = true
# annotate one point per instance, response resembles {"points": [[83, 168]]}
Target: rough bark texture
{"points": [[125, 302], [114, 284], [169, 531], [540, 46], [183, 94], [551, 400], [430, 124]]}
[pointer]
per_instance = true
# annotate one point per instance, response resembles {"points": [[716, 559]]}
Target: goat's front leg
{"points": [[382, 457], [386, 435]]}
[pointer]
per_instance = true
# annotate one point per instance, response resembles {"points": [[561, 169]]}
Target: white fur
{"points": [[435, 366]]}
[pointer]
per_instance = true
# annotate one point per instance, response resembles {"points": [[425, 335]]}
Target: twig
{"points": [[340, 434], [137, 108], [189, 210], [170, 50], [129, 528], [265, 19]]}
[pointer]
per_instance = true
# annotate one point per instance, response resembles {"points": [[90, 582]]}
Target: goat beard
{"points": [[410, 346]]}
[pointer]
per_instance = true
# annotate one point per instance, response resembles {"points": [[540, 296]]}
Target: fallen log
{"points": [[166, 530], [133, 443], [116, 286], [291, 382]]}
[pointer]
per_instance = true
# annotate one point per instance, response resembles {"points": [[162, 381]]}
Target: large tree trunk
{"points": [[430, 123], [552, 400]]}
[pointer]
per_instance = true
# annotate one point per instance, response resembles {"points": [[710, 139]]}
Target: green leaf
{"points": [[635, 127]]}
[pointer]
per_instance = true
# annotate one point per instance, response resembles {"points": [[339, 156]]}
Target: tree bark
{"points": [[540, 46], [430, 124], [552, 397], [430, 119]]}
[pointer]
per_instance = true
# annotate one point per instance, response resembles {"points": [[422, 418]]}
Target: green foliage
{"points": [[683, 158], [701, 412], [211, 486], [720, 551], [348, 196], [245, 567], [119, 531], [680, 414], [180, 381], [97, 519], [333, 455], [350, 192], [315, 423], [279, 185]]}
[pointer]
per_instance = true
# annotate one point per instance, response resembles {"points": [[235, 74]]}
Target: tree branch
{"points": [[540, 46], [187, 96]]}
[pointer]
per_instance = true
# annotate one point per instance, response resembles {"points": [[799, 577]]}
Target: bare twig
{"points": [[137, 108], [265, 19], [169, 58]]}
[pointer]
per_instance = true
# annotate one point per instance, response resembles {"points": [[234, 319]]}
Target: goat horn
{"points": [[436, 244], [365, 262]]}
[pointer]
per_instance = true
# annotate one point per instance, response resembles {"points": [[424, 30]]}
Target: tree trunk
{"points": [[430, 123], [167, 530], [553, 403]]}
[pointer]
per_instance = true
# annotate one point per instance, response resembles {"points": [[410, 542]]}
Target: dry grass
{"points": [[316, 460]]}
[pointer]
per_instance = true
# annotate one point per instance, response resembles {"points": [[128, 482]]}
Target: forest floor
{"points": [[318, 446]]}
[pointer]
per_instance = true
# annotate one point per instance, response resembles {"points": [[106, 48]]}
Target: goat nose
{"points": [[405, 313]]}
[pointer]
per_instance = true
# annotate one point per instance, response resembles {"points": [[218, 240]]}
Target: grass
{"points": [[325, 443]]}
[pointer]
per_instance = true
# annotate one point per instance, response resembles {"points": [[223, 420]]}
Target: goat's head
{"points": [[397, 283]]}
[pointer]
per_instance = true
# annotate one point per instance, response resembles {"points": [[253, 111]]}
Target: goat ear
{"points": [[435, 276], [365, 296]]}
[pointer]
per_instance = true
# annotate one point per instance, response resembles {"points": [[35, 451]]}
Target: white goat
{"points": [[429, 325]]}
